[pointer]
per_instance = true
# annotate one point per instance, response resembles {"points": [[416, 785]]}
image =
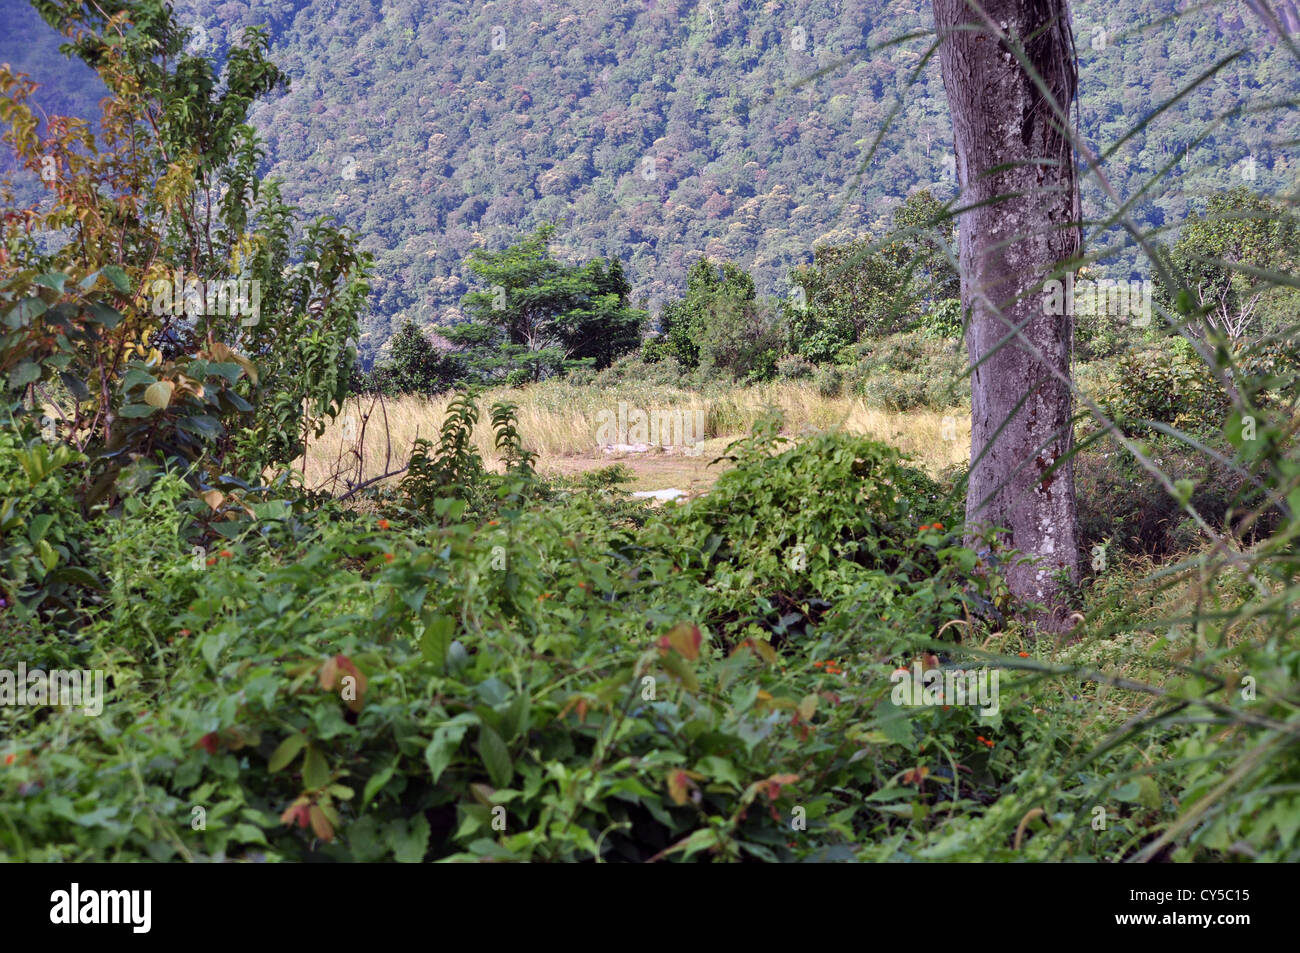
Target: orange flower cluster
{"points": [[984, 741], [1024, 655], [832, 667], [383, 524], [931, 526]]}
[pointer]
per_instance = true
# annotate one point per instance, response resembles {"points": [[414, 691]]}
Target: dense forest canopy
{"points": [[661, 132]]}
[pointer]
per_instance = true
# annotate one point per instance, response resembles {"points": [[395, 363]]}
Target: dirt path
{"points": [[655, 469]]}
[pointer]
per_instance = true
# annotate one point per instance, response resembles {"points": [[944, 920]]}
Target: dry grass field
{"points": [[570, 426]]}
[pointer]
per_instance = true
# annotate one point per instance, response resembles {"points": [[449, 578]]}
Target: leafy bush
{"points": [[1098, 336], [570, 681], [907, 371], [1167, 383], [634, 368], [43, 537], [794, 367], [537, 316], [438, 691], [416, 366], [828, 381], [720, 327], [866, 289], [942, 320], [1123, 503], [741, 340]]}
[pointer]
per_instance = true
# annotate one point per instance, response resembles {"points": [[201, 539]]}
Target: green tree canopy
{"points": [[416, 366], [538, 316], [711, 289], [1220, 257], [869, 287]]}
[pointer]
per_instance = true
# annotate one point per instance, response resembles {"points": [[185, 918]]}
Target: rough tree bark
{"points": [[1016, 171]]}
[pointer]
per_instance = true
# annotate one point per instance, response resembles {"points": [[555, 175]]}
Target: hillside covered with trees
{"points": [[661, 132]]}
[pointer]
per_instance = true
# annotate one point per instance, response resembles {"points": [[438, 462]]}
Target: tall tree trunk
{"points": [[1016, 171]]}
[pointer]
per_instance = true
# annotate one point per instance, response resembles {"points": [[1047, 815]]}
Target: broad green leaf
{"points": [[118, 277], [409, 839], [49, 558], [446, 741], [315, 769], [288, 750], [438, 630], [25, 373], [159, 394], [39, 526], [376, 782], [54, 280], [22, 313], [496, 757]]}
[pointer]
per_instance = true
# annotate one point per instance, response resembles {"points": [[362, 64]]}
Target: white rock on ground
{"points": [[669, 494]]}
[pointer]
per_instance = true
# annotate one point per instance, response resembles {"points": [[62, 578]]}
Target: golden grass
{"points": [[559, 422]]}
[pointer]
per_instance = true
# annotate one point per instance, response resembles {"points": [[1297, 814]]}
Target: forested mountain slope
{"points": [[661, 130]]}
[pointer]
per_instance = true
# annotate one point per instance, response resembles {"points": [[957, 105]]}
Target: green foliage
{"points": [[794, 367], [576, 681], [441, 482], [829, 381], [454, 469], [1122, 502], [1168, 384], [869, 289], [303, 734], [943, 319], [416, 366], [538, 316], [43, 536], [714, 294], [1225, 263], [720, 328], [157, 214], [509, 669], [906, 371], [505, 428]]}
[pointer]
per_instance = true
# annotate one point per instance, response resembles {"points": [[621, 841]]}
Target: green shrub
{"points": [[1120, 501], [634, 369], [909, 371], [1098, 336], [942, 320], [502, 690], [1165, 383], [43, 538], [794, 367], [416, 366], [829, 380]]}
